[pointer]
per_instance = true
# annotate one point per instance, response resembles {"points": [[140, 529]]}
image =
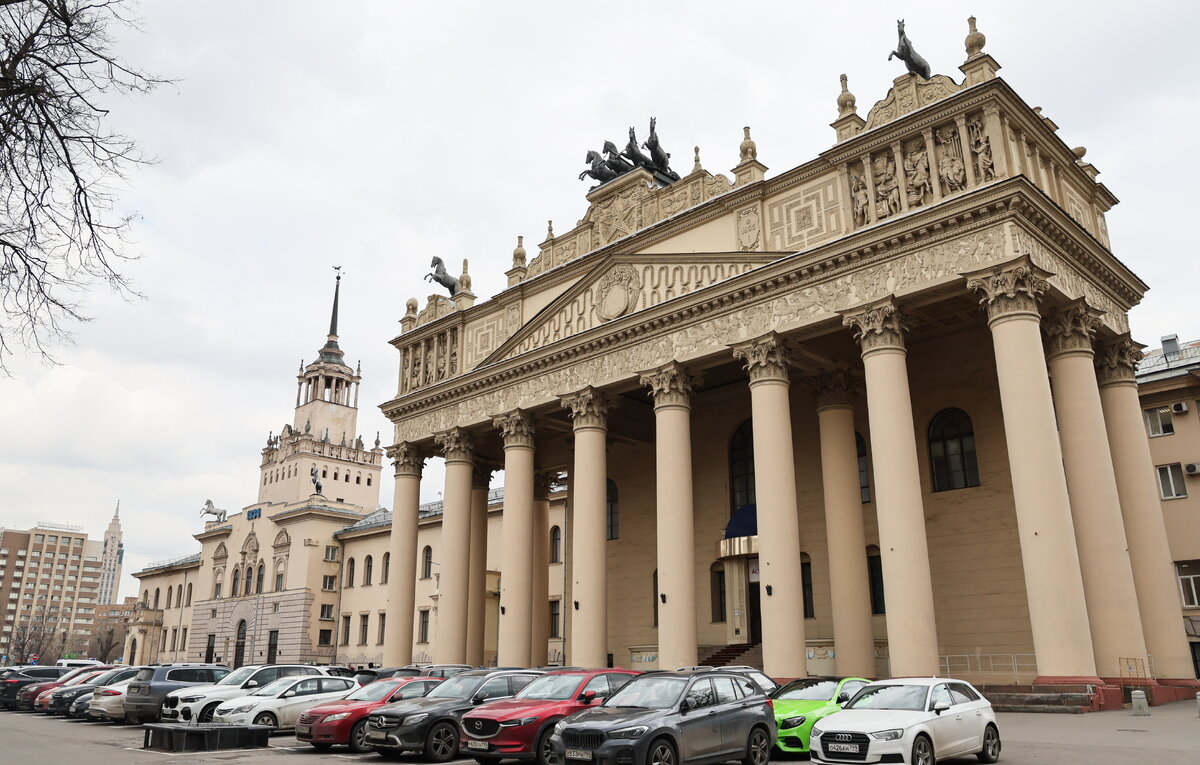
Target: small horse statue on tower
{"points": [[211, 509], [442, 277], [905, 52]]}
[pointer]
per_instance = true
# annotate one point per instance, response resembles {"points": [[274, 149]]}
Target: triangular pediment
{"points": [[620, 285]]}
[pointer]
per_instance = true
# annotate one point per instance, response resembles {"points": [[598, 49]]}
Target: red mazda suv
{"points": [[519, 728], [344, 721]]}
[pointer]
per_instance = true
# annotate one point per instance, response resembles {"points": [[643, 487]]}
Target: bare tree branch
{"points": [[60, 233]]}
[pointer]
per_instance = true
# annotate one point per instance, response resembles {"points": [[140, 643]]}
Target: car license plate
{"points": [[481, 746], [847, 748], [377, 735], [302, 728], [578, 754]]}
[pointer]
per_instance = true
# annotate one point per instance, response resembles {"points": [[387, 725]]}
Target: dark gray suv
{"points": [[672, 718], [145, 694]]}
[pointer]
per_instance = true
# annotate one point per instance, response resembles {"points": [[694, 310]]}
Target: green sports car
{"points": [[802, 702]]}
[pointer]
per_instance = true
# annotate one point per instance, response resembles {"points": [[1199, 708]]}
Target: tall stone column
{"points": [[671, 389], [781, 579], [850, 591], [458, 447], [907, 585], [1092, 486], [541, 569], [588, 646], [481, 477], [1054, 585], [516, 570], [1149, 553], [402, 546]]}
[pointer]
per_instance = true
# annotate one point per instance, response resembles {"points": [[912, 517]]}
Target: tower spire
{"points": [[331, 352]]}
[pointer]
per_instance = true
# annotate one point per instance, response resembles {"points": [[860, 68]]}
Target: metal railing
{"points": [[999, 666]]}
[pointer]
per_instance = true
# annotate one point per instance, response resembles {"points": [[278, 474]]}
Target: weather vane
{"points": [[339, 272]]}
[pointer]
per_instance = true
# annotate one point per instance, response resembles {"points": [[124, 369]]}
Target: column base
{"points": [[1068, 680], [1185, 682]]}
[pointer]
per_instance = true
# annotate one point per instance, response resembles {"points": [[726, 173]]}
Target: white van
{"points": [[77, 663]]}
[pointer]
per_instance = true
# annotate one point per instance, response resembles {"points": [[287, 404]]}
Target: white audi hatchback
{"points": [[917, 721]]}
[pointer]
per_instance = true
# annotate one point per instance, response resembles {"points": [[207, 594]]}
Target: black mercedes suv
{"points": [[672, 718], [430, 724]]}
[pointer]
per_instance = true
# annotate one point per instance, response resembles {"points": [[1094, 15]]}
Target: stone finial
{"points": [[549, 229], [519, 253], [464, 281], [975, 40], [747, 150], [846, 102], [409, 320], [1079, 151], [696, 165]]}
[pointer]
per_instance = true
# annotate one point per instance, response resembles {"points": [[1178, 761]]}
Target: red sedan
{"points": [[27, 695], [41, 703], [345, 721], [519, 728]]}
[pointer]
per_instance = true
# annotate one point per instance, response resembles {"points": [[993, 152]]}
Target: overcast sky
{"points": [[301, 135]]}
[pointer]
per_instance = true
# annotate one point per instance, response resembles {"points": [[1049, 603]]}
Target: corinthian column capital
{"points": [[765, 358], [457, 444], [1010, 289], [516, 428], [588, 407], [543, 483], [406, 459], [670, 385], [1070, 329], [877, 326], [837, 387], [481, 474], [1117, 360]]}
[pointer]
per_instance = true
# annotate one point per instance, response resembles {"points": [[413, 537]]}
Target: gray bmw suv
{"points": [[672, 718]]}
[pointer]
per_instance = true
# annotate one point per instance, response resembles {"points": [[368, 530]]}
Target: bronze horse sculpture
{"points": [[660, 157], [905, 52], [597, 168], [442, 276], [634, 154]]}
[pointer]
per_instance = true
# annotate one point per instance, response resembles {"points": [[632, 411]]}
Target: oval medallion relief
{"points": [[617, 293]]}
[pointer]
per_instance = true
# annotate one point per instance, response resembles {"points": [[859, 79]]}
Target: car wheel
{"points": [[922, 751], [758, 748], [544, 754], [206, 714], [441, 745], [358, 737], [991, 745], [661, 753], [266, 718], [131, 719]]}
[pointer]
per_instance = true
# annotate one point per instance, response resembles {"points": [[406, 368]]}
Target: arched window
{"points": [[368, 569], [155, 598], [427, 563], [387, 564], [368, 480], [249, 585], [233, 583], [555, 544], [875, 579], [170, 592], [217, 587], [357, 480], [179, 597], [189, 595], [258, 581], [350, 573], [716, 585], [612, 510], [347, 478], [952, 451], [279, 577], [864, 476], [146, 598], [741, 466]]}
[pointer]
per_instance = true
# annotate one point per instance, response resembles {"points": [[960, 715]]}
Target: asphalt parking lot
{"points": [[1170, 736]]}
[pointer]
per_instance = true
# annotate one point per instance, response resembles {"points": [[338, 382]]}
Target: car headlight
{"points": [[518, 723], [414, 719], [191, 699], [793, 722], [243, 709], [889, 735], [338, 716], [636, 731], [815, 732]]}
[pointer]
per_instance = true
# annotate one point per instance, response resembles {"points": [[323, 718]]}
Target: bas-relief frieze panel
{"points": [[624, 289], [1068, 279], [808, 216], [802, 305]]}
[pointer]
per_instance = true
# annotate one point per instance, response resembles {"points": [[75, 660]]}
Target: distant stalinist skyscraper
{"points": [[113, 556]]}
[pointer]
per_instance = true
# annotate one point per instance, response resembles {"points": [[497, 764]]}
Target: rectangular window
{"points": [[807, 587], [555, 618], [210, 648], [325, 637], [183, 639], [1158, 422], [382, 627], [1170, 481], [331, 552], [363, 624], [422, 626], [279, 582], [1189, 582], [345, 630], [328, 582], [716, 581], [174, 639], [326, 612], [875, 579]]}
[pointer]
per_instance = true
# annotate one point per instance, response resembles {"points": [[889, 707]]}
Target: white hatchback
{"points": [[281, 702], [912, 720], [197, 703], [108, 702]]}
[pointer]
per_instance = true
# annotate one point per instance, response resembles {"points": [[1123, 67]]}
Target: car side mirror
{"points": [[251, 684], [843, 697], [939, 707], [478, 699], [685, 706], [587, 697]]}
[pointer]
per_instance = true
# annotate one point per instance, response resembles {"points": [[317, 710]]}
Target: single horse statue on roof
{"points": [[906, 53], [442, 277], [211, 509]]}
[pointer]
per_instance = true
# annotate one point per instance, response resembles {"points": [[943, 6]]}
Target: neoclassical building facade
{"points": [[875, 414]]}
